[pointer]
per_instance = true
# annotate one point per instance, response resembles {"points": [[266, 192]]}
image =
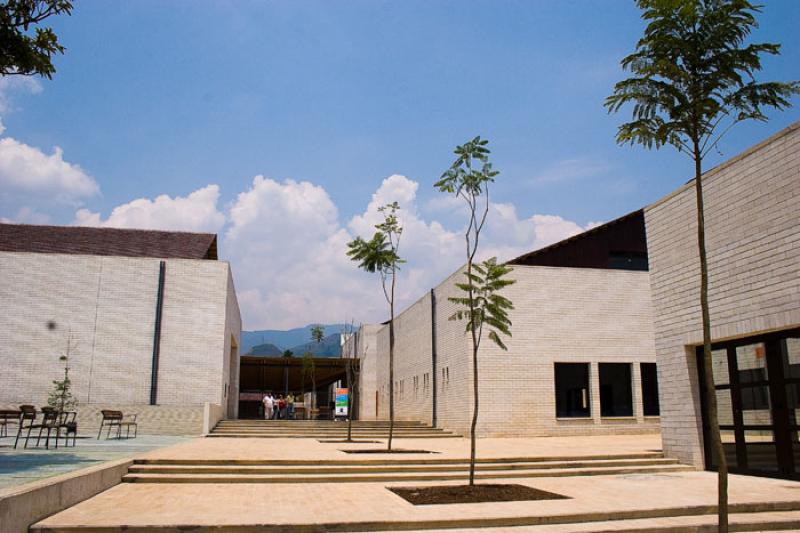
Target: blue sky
{"points": [[168, 98]]}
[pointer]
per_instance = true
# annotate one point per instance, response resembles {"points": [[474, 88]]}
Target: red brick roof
{"points": [[107, 241]]}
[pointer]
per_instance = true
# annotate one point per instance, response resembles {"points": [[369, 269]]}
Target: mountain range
{"points": [[271, 342]]}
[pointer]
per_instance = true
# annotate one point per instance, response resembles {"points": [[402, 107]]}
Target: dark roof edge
{"points": [[579, 236]]}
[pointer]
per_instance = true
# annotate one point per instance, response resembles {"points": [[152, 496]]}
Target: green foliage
{"points": [[380, 253], [487, 307], [23, 53], [462, 179], [288, 353], [692, 71], [317, 333], [60, 396]]}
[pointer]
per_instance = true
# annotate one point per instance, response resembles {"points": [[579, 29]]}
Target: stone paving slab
{"points": [[20, 466], [312, 449], [287, 504]]}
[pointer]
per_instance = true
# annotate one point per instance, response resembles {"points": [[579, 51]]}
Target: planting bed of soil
{"points": [[345, 441], [472, 494], [384, 450]]}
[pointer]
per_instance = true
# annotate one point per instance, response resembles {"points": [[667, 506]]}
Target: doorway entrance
{"points": [[757, 382]]}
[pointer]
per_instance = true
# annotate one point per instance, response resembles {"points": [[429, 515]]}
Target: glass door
{"points": [[757, 385]]}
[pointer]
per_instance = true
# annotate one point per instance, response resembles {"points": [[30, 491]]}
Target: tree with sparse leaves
{"points": [[60, 397], [308, 369], [482, 305], [380, 254], [694, 79], [26, 48]]}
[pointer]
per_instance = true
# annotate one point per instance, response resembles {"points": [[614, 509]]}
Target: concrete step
{"points": [[266, 427], [360, 469], [398, 476], [324, 436], [772, 516], [397, 460], [755, 521]]}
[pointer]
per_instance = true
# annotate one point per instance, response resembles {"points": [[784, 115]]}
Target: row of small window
{"points": [[400, 386], [615, 385]]}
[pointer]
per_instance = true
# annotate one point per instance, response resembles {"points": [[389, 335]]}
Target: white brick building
{"points": [[582, 331], [588, 301], [101, 287], [753, 246]]}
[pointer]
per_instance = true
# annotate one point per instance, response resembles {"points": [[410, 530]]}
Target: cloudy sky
{"points": [[282, 126]]}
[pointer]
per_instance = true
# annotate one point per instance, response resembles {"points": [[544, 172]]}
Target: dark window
{"points": [[615, 389], [627, 260], [649, 389], [572, 390]]}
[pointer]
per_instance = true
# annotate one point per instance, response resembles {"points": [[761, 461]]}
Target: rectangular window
{"points": [[572, 390], [649, 389], [615, 389]]}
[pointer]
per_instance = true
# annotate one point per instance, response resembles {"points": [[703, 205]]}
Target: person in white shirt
{"points": [[268, 403]]}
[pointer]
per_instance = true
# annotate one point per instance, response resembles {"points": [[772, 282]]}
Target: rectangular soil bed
{"points": [[345, 441], [387, 451], [472, 494]]}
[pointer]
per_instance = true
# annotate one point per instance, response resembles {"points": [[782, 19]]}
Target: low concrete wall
{"points": [[20, 507], [212, 414], [152, 419]]}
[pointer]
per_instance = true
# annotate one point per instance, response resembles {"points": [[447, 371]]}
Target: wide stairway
{"points": [[325, 429], [360, 469]]}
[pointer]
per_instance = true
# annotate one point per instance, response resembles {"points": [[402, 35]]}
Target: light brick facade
{"points": [[753, 247], [107, 304], [561, 315]]}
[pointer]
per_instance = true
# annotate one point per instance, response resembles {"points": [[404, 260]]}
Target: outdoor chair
{"points": [[8, 416], [116, 419], [66, 422], [27, 418], [48, 423]]}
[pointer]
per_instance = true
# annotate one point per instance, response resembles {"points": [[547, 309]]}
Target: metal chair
{"points": [[27, 414]]}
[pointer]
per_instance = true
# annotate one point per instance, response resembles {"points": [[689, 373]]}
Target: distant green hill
{"points": [[282, 339], [267, 350], [329, 347]]}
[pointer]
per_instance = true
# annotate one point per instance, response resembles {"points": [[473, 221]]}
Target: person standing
{"points": [[268, 403], [281, 407], [290, 406], [275, 410]]}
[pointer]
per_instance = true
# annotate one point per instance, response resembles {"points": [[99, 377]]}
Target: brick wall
{"points": [[561, 315], [107, 305], [753, 247]]}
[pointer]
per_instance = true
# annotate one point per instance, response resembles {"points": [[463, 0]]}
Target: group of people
{"points": [[277, 407]]}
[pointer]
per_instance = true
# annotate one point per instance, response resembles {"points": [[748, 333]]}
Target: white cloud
{"points": [[195, 212], [27, 169], [570, 169], [27, 215], [11, 84], [287, 245]]}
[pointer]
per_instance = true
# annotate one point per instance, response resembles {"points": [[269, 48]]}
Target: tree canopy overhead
{"points": [[693, 73], [25, 47]]}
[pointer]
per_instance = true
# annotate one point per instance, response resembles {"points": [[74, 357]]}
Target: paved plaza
{"points": [[680, 499], [20, 466]]}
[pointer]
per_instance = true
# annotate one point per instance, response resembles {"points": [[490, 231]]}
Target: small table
{"points": [[6, 416]]}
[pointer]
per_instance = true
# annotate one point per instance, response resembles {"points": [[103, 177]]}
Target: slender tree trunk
{"points": [[349, 400], [391, 364], [711, 393], [475, 397]]}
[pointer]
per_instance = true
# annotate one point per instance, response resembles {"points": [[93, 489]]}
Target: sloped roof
{"points": [[107, 241], [592, 248]]}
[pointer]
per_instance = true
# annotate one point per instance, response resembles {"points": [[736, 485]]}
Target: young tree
{"points": [[317, 333], [308, 369], [380, 254], [693, 79], [482, 306], [61, 397], [20, 52], [351, 337]]}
